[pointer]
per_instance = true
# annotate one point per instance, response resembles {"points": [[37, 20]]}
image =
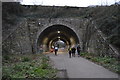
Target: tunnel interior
{"points": [[63, 35]]}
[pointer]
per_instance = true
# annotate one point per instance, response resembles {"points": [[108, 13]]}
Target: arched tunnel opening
{"points": [[64, 36]]}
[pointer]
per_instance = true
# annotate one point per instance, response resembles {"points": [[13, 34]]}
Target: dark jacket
{"points": [[73, 50]]}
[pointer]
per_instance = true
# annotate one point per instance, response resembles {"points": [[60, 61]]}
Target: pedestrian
{"points": [[56, 48], [73, 51], [69, 52], [78, 50]]}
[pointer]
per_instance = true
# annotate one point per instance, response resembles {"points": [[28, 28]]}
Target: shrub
{"points": [[36, 68], [17, 67], [26, 59], [108, 62], [6, 77], [6, 57], [45, 66]]}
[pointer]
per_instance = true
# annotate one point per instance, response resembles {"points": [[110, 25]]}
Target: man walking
{"points": [[73, 51], [78, 50]]}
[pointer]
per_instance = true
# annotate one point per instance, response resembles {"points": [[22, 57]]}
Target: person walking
{"points": [[56, 48], [73, 51], [78, 50], [70, 52]]}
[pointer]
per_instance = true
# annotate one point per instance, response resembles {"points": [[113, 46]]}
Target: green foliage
{"points": [[6, 77], [87, 55], [30, 66], [45, 59], [107, 62], [44, 66], [45, 62], [43, 73], [17, 67], [6, 57], [26, 59]]}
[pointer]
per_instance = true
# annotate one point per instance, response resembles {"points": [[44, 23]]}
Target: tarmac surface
{"points": [[78, 67]]}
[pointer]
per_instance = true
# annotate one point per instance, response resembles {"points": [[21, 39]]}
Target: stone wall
{"points": [[23, 37], [18, 40], [37, 26], [96, 43]]}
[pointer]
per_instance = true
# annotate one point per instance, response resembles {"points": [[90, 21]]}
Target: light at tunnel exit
{"points": [[61, 43]]}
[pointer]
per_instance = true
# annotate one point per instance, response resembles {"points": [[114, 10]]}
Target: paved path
{"points": [[78, 67]]}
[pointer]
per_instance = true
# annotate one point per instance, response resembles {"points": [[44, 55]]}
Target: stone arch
{"points": [[68, 26]]}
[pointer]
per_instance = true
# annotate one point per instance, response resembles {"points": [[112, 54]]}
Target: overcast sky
{"points": [[79, 3]]}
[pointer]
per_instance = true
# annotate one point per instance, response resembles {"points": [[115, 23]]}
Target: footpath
{"points": [[78, 67]]}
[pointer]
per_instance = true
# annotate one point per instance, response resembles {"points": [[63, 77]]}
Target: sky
{"points": [[78, 3]]}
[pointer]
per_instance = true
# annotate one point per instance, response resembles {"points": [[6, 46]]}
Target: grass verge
{"points": [[107, 62], [27, 66]]}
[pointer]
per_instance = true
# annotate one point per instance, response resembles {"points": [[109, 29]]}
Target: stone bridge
{"points": [[34, 35]]}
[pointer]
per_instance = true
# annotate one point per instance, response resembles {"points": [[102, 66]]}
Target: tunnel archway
{"points": [[54, 33]]}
